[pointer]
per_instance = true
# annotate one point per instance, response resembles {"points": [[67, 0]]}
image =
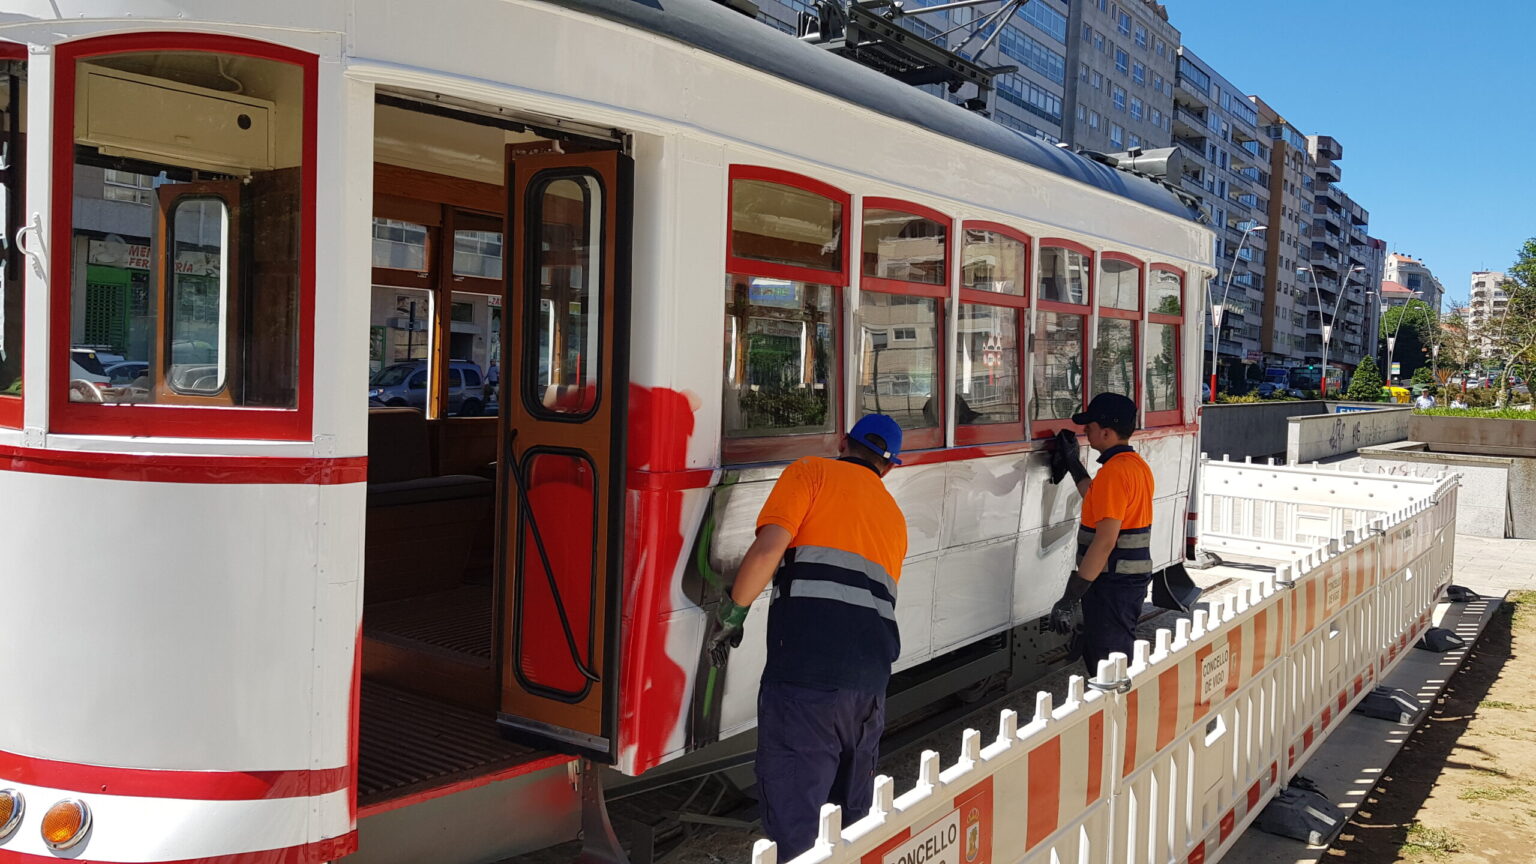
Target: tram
{"points": [[387, 395]]}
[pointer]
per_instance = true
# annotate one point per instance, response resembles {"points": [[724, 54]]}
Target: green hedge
{"points": [[1494, 413]]}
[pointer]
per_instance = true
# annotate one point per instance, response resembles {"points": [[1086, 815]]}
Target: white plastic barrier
{"points": [[1167, 756]]}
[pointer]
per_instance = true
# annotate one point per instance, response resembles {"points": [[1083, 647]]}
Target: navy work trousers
{"points": [[1111, 610], [814, 747]]}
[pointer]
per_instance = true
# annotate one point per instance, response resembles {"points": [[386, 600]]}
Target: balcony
{"points": [[1327, 172], [1328, 147], [1189, 124], [1192, 144]]}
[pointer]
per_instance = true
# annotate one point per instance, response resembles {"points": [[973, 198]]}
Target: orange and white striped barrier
{"points": [[1168, 755]]}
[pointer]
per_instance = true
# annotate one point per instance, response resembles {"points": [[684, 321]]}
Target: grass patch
{"points": [[1507, 706], [1492, 793], [1434, 842]]}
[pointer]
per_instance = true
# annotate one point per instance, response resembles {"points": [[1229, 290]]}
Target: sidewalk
{"points": [[1356, 757]]}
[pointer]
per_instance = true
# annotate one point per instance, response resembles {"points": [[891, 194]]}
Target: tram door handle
{"points": [[33, 229], [526, 513]]}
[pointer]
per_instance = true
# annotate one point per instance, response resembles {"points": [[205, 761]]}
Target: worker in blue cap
{"points": [[832, 539], [1114, 536]]}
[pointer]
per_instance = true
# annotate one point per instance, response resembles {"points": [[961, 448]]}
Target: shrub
{"points": [[1366, 385], [1422, 375], [1491, 413]]}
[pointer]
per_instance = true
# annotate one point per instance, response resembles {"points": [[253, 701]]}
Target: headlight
{"points": [[12, 806], [66, 823]]}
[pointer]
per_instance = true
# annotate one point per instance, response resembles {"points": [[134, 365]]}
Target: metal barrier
{"points": [[1166, 756]]}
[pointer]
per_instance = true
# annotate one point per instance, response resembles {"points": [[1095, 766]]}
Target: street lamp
{"points": [[1218, 308], [1327, 328]]}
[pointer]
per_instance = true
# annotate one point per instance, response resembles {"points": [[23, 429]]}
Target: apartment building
{"points": [[1342, 258], [1029, 100], [1122, 58], [1416, 278], [1288, 295], [1487, 302], [1227, 165]]}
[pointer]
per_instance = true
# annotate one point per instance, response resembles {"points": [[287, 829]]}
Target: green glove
{"points": [[728, 627]]}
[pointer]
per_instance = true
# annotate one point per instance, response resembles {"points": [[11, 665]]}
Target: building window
{"points": [[1117, 95], [1122, 61], [1098, 38], [1141, 36], [1157, 82], [1083, 73], [1139, 73], [1093, 120], [1029, 96], [1087, 32], [1032, 53], [1123, 23], [1135, 140], [1046, 19], [1097, 81], [1116, 135], [1157, 118], [1162, 48], [1082, 114], [127, 187], [1136, 108]]}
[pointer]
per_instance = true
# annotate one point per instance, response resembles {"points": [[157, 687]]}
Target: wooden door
{"points": [[564, 382]]}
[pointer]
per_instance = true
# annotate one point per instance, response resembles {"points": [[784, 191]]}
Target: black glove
{"points": [[1064, 613], [726, 631], [1064, 458]]}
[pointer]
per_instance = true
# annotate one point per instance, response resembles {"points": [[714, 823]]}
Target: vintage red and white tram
{"points": [[602, 267]]}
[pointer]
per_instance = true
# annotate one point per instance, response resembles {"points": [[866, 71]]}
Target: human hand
{"points": [[726, 631]]}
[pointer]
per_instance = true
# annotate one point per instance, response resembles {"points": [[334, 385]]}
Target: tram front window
{"points": [[186, 235]]}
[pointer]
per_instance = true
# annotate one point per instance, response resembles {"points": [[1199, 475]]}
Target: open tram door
{"points": [[561, 463]]}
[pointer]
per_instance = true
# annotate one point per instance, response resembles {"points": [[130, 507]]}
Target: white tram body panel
{"points": [[191, 669]]}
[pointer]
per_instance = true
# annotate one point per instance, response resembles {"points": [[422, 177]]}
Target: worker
{"points": [[1114, 551], [831, 630]]}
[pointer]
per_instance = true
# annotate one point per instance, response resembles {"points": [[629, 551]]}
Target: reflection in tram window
{"points": [[1063, 275], [564, 326], [1162, 368], [1165, 295], [13, 78], [779, 358], [904, 247], [1058, 366], [1114, 358], [399, 245], [1119, 285], [779, 224], [988, 373], [186, 242], [899, 358]]}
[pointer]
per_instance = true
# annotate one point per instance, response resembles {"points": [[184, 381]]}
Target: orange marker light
{"points": [[12, 805], [66, 823]]}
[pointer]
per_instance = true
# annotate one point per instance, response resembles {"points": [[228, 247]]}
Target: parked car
{"points": [[1205, 392], [1270, 389], [405, 384], [126, 372]]}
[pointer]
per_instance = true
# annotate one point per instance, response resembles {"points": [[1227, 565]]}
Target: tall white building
{"points": [[1414, 276], [1487, 301]]}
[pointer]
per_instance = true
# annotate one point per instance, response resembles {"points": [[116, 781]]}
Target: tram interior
{"points": [[432, 572]]}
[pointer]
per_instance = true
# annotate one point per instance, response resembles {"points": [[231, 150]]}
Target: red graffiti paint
{"points": [[653, 686]]}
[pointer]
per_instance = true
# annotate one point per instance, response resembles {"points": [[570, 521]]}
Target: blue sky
{"points": [[1431, 102]]}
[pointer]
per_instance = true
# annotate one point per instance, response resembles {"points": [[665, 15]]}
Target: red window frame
{"points": [[1046, 428], [991, 433], [1126, 315], [276, 424], [12, 407], [918, 439], [1174, 416], [782, 448]]}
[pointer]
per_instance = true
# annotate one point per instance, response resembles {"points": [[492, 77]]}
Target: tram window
{"points": [[1057, 364], [477, 245], [987, 388], [199, 295], [1114, 358], [1162, 369], [993, 291], [185, 253], [563, 321], [1063, 275], [399, 245], [1165, 295], [779, 224], [1119, 284], [13, 82], [899, 359], [904, 247], [780, 358]]}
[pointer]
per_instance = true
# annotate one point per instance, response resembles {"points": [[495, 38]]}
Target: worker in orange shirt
{"points": [[832, 633], [1114, 548]]}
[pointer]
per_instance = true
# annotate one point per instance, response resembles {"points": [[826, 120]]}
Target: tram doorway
{"points": [[499, 327]]}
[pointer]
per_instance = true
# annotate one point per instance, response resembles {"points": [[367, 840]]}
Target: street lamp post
{"points": [[1218, 308], [1325, 327]]}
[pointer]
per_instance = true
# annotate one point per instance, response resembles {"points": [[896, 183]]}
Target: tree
{"points": [[1366, 385], [1459, 346], [1413, 326], [1512, 336], [1422, 375]]}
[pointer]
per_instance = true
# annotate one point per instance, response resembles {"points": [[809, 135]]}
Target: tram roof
{"points": [[715, 28]]}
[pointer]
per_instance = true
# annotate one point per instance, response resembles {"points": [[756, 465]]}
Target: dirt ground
{"points": [[1463, 788]]}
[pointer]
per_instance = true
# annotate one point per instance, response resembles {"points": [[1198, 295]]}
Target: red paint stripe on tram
{"points": [[167, 783], [151, 468], [310, 853]]}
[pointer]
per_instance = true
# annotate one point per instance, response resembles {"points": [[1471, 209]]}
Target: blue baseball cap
{"points": [[879, 433]]}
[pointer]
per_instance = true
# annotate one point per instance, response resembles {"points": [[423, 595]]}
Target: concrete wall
{"points": [[1309, 439], [1498, 493], [1259, 429]]}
